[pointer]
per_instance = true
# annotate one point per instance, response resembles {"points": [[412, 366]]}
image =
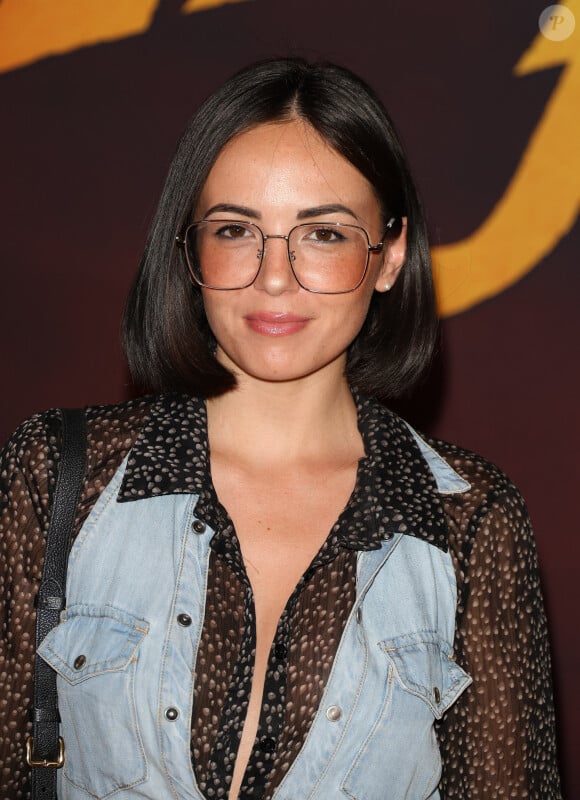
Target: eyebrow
{"points": [[229, 208], [319, 211], [306, 213]]}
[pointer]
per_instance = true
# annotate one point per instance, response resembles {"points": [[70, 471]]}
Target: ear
{"points": [[393, 259]]}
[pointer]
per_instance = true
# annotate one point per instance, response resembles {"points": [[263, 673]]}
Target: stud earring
{"points": [[387, 287]]}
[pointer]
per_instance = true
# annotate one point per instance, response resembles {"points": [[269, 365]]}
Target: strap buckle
{"points": [[44, 762]]}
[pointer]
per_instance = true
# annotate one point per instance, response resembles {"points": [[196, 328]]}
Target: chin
{"points": [[286, 371]]}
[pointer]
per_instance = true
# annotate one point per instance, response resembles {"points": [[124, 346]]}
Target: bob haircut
{"points": [[167, 339]]}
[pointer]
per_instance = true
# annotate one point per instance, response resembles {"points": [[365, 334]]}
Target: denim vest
{"points": [[126, 666]]}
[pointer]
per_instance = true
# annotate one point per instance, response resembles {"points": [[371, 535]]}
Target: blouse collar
{"points": [[399, 481]]}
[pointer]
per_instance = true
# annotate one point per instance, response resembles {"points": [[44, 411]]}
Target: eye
{"points": [[232, 230], [325, 234]]}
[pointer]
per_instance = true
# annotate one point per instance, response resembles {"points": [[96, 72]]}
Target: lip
{"points": [[275, 323]]}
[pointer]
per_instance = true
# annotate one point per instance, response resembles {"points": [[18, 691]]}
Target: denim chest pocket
{"points": [[95, 651], [424, 667], [400, 757]]}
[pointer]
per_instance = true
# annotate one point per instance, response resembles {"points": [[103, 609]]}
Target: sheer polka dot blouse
{"points": [[496, 741]]}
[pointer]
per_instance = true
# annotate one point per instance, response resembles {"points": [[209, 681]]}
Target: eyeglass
{"points": [[325, 257]]}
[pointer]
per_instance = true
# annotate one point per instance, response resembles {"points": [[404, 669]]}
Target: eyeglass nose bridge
{"points": [[286, 237]]}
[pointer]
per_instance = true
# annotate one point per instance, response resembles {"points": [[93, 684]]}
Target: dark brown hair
{"points": [[168, 342]]}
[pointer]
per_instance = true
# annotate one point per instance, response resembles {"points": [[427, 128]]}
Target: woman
{"points": [[278, 589]]}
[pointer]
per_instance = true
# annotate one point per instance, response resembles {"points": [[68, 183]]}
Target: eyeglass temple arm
{"points": [[375, 248]]}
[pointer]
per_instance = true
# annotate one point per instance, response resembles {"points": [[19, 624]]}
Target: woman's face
{"points": [[277, 176]]}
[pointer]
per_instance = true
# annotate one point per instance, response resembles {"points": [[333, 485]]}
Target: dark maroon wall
{"points": [[86, 139]]}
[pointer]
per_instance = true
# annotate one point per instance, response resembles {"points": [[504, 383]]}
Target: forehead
{"points": [[293, 138], [284, 162]]}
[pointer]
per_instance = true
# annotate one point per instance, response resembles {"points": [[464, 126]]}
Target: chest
{"points": [[281, 521]]}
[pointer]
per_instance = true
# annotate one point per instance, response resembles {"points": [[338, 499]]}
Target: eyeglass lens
{"points": [[325, 257]]}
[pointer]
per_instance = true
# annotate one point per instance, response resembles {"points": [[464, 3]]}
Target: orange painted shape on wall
{"points": [[34, 29], [541, 203], [200, 5]]}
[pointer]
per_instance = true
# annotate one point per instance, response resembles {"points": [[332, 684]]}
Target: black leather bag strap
{"points": [[45, 750]]}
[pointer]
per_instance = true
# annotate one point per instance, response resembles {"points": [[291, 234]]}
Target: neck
{"points": [[275, 423]]}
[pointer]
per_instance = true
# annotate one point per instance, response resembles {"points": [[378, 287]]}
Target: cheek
{"points": [[216, 310], [358, 311], [359, 316], [350, 318]]}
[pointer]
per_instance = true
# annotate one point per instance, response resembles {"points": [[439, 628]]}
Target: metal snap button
{"points": [[437, 695], [333, 713], [184, 620], [198, 526], [171, 714], [359, 615], [79, 662]]}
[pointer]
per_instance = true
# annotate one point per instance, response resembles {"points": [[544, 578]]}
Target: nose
{"points": [[276, 275]]}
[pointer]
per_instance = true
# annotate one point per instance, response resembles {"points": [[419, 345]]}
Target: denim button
{"points": [[198, 526], [333, 713], [268, 744], [359, 615], [184, 620], [437, 695], [171, 714], [79, 662]]}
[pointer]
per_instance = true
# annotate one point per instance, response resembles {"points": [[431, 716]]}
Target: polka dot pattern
{"points": [[496, 741]]}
